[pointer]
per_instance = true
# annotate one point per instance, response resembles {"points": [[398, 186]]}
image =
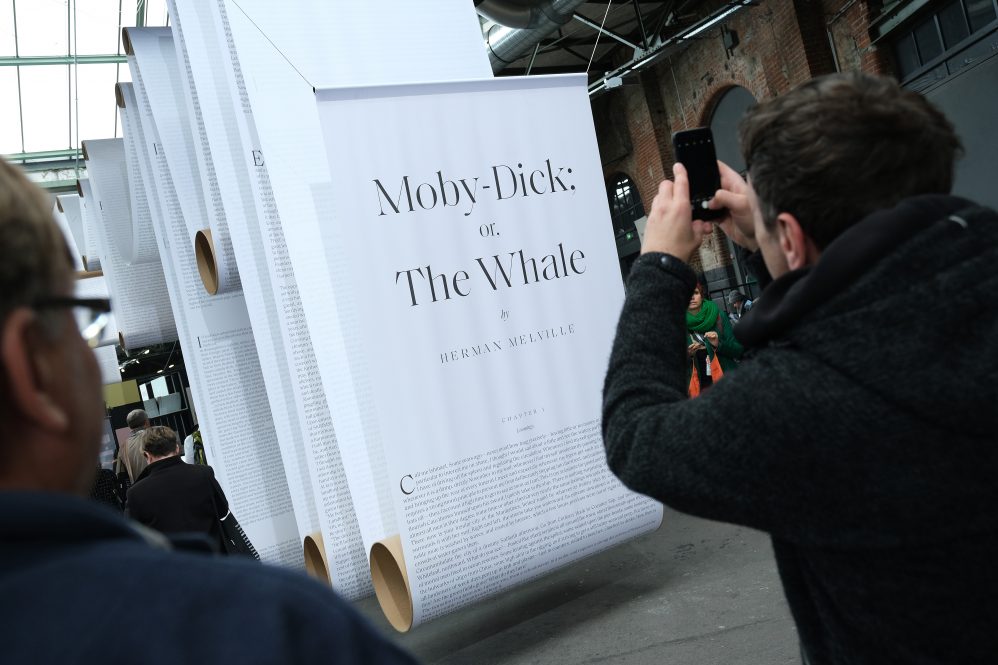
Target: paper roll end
{"points": [[204, 250], [391, 582], [126, 41], [79, 189], [119, 96], [86, 157], [121, 340], [315, 558], [58, 204]]}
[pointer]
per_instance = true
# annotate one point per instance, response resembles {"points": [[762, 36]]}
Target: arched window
{"points": [[625, 203], [724, 125]]}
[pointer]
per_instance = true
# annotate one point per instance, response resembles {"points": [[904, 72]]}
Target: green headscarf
{"points": [[704, 320]]}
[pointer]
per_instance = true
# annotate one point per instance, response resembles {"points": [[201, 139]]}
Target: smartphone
{"points": [[694, 149]]}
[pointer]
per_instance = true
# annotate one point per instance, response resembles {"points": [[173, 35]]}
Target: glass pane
{"points": [[980, 12], [6, 28], [927, 38], [42, 27], [45, 102], [953, 24], [907, 56], [97, 108], [155, 12], [97, 27], [10, 117]]}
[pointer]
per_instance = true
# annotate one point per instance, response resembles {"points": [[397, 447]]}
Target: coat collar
{"points": [[796, 294], [160, 465]]}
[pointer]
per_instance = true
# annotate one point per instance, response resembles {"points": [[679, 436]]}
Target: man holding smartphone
{"points": [[871, 454]]}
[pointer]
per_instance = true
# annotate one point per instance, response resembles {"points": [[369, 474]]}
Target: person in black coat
{"points": [[868, 447], [171, 496]]}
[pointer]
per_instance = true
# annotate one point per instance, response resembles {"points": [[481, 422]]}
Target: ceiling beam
{"points": [[598, 28]]}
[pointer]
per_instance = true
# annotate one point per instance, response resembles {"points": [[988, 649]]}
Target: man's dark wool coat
{"points": [[866, 436]]}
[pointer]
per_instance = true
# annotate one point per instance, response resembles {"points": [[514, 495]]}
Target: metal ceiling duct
{"points": [[526, 23]]}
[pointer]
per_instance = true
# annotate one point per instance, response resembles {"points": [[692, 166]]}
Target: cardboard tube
{"points": [[119, 96], [86, 274], [126, 41], [86, 157], [79, 189], [391, 582], [315, 557], [121, 340], [204, 250]]}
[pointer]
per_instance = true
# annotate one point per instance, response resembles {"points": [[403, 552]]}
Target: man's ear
{"points": [[798, 249], [31, 371]]}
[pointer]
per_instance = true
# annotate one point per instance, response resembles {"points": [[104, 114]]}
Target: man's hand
{"points": [[739, 223], [671, 227]]}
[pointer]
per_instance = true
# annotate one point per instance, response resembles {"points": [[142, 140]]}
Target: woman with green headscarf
{"points": [[708, 335]]}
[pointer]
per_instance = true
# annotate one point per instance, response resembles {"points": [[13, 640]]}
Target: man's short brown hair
{"points": [[842, 146], [159, 441]]}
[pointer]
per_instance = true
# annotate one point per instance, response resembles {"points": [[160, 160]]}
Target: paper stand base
{"points": [[391, 582]]}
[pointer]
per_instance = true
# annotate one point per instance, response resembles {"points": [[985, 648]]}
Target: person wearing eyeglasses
{"points": [[58, 549]]}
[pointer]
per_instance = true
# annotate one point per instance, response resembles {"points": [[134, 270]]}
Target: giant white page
{"points": [[476, 284]]}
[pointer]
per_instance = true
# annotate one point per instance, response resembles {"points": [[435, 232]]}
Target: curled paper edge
{"points": [[391, 582], [315, 558]]}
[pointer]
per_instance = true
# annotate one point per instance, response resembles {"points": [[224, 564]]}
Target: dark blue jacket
{"points": [[79, 584]]}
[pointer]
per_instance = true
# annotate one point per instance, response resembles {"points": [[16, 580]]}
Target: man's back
{"points": [[173, 497], [898, 367], [71, 572]]}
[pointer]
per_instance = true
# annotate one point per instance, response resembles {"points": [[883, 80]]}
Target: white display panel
{"points": [[281, 51], [469, 325]]}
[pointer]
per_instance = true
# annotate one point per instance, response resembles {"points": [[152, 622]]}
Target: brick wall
{"points": [[782, 43]]}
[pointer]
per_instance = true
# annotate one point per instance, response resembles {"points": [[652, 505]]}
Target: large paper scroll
{"points": [[200, 204], [138, 292], [473, 320], [90, 214], [213, 244], [69, 205], [294, 390], [223, 367], [135, 241], [316, 39]]}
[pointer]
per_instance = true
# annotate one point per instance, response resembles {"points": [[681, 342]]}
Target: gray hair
{"points": [[136, 418]]}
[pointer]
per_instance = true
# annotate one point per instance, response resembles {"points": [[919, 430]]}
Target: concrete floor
{"points": [[693, 592]]}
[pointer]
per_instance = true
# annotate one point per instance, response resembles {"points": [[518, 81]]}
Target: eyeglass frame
{"points": [[100, 305]]}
